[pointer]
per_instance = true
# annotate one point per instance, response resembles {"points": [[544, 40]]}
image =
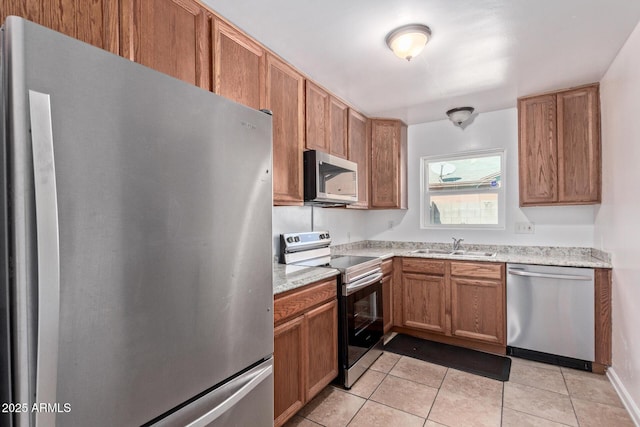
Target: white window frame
{"points": [[424, 190]]}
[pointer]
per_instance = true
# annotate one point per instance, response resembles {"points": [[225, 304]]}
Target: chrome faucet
{"points": [[457, 244]]}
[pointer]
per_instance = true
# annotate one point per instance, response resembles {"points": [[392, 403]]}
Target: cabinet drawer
{"points": [[387, 266], [292, 304], [477, 269], [421, 265]]}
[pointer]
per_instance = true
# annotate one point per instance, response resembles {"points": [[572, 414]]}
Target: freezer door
{"points": [[163, 195], [245, 401]]}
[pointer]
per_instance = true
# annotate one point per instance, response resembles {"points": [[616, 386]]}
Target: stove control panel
{"points": [[296, 242]]}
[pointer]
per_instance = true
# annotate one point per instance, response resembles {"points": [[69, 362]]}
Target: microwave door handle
{"points": [[362, 283]]}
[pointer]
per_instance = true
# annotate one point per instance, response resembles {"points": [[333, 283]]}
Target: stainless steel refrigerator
{"points": [[135, 244]]}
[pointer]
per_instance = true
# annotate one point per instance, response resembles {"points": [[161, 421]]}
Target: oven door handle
{"points": [[362, 283]]}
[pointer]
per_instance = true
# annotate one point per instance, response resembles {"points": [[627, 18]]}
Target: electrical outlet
{"points": [[525, 228], [348, 237], [390, 224]]}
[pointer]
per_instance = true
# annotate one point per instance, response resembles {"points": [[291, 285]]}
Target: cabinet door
{"points": [[579, 145], [288, 369], [285, 98], [359, 153], [387, 302], [94, 22], [171, 36], [338, 117], [33, 10], [238, 66], [478, 309], [322, 348], [388, 164], [424, 302], [537, 146], [317, 114]]}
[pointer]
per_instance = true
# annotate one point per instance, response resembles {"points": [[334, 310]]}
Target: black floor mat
{"points": [[464, 359]]}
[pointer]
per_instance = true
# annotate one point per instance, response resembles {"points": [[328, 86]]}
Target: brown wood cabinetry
{"points": [[317, 115], [388, 164], [478, 301], [602, 319], [425, 295], [559, 147], [94, 22], [288, 367], [359, 152], [239, 66], [322, 349], [171, 36], [338, 119], [456, 302], [305, 345], [425, 302], [326, 121], [285, 98], [387, 295]]}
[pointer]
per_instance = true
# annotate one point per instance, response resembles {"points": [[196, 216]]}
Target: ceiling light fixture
{"points": [[460, 115], [409, 40]]}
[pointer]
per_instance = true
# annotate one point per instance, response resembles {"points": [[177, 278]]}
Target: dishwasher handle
{"points": [[548, 275]]}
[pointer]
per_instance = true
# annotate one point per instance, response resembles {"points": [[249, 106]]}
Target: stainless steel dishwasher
{"points": [[550, 314]]}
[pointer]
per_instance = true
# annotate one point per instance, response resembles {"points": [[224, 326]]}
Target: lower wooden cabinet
{"points": [[322, 347], [387, 295], [425, 302], [288, 368], [305, 346], [457, 302]]}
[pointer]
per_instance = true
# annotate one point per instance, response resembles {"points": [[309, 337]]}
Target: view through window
{"points": [[463, 190]]}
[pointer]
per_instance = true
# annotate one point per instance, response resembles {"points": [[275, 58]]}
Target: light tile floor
{"points": [[401, 391]]}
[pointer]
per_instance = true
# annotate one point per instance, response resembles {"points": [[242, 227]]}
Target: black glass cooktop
{"points": [[339, 262]]}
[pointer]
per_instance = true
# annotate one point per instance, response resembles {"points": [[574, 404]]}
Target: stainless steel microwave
{"points": [[329, 180]]}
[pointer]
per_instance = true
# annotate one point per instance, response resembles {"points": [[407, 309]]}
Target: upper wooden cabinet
{"points": [[317, 116], [326, 120], [388, 164], [284, 96], [94, 22], [559, 147], [359, 152], [171, 36], [239, 66], [338, 119]]}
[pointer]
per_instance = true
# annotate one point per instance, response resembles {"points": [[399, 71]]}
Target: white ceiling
{"points": [[483, 53]]}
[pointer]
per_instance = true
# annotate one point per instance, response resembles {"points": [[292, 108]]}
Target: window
{"points": [[462, 191]]}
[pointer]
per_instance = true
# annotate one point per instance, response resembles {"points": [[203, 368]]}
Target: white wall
{"points": [[345, 225], [554, 226], [616, 228]]}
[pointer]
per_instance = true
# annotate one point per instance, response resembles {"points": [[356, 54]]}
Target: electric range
{"points": [[360, 324]]}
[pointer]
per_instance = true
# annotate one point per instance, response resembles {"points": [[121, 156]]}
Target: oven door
{"points": [[363, 309]]}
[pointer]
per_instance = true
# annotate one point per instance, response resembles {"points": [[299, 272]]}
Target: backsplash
{"points": [[533, 251]]}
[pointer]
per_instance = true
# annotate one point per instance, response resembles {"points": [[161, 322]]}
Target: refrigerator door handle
{"points": [[46, 202], [232, 400]]}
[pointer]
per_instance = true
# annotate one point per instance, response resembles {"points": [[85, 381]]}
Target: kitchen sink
{"points": [[479, 254], [475, 254], [431, 251]]}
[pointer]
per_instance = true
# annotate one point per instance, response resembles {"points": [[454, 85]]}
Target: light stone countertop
{"points": [[287, 277], [540, 255]]}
